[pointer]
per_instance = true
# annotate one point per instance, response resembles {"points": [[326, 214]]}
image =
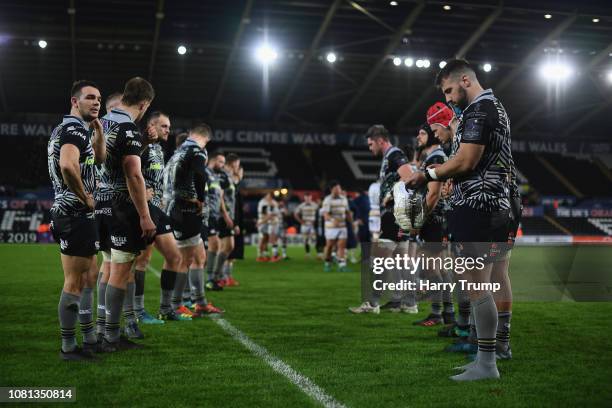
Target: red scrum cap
{"points": [[440, 114]]}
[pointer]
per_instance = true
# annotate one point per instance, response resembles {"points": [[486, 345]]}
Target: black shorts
{"points": [[213, 228], [224, 230], [389, 230], [77, 235], [480, 233], [160, 219], [204, 232], [126, 234], [104, 215], [186, 221], [432, 233]]}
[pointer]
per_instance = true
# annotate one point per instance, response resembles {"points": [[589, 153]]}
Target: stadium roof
{"points": [[218, 79]]}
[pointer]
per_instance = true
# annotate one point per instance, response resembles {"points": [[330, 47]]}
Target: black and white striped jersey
{"points": [[229, 192], [73, 131], [393, 159], [213, 199], [487, 187], [436, 156], [152, 160], [123, 138], [185, 173]]}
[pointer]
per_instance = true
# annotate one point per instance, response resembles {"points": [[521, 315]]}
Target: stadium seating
{"points": [[539, 226], [583, 174], [539, 177]]}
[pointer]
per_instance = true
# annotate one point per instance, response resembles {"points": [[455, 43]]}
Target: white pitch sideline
{"points": [[304, 383]]}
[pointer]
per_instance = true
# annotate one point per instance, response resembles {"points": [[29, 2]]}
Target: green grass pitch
{"points": [[562, 350]]}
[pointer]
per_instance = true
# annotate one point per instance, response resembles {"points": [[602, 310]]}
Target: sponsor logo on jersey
{"points": [[118, 241]]}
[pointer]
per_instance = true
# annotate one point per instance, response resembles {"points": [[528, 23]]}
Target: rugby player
{"points": [[214, 198], [157, 130], [225, 223], [305, 214], [72, 152], [185, 181], [432, 230], [481, 168], [238, 251], [122, 186], [267, 221], [395, 166], [336, 213], [374, 215]]}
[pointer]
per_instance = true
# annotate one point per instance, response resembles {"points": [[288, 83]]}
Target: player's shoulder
{"points": [[484, 105], [73, 129]]}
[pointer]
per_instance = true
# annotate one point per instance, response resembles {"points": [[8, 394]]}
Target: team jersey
{"points": [[214, 193], [72, 131], [487, 187], [307, 212], [270, 209], [393, 159], [123, 138], [153, 169], [436, 156], [336, 207], [185, 173], [229, 192]]}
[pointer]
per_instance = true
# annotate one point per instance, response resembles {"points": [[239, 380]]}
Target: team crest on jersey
{"points": [[63, 244], [129, 134]]}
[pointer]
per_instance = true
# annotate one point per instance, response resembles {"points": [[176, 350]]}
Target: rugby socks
{"points": [[307, 247], [195, 277], [230, 269], [86, 316], [114, 304], [284, 250], [139, 280], [218, 271], [179, 287], [436, 297], [101, 313], [342, 262], [503, 331], [128, 303], [274, 250], [167, 281], [211, 259], [485, 316], [68, 309]]}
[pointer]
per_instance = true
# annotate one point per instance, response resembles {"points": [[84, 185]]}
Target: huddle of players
{"points": [[130, 203], [333, 216], [482, 213]]}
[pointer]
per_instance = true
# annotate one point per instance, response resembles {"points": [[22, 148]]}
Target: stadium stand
{"points": [[585, 175], [539, 226], [539, 177]]}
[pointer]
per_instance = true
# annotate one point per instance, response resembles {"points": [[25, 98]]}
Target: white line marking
{"points": [[155, 271], [302, 382]]}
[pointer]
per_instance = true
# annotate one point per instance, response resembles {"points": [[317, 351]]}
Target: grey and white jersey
{"points": [[214, 193], [123, 138], [229, 192], [73, 131], [152, 170], [487, 187]]}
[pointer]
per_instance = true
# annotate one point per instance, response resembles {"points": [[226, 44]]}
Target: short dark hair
{"points": [[77, 86], [452, 67], [231, 158], [113, 96], [202, 129], [333, 183], [156, 115], [377, 132], [137, 90], [180, 138]]}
